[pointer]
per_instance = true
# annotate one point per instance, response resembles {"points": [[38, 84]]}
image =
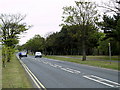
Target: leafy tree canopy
{"points": [[12, 27]]}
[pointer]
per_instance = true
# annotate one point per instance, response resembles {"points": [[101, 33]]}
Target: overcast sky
{"points": [[44, 15]]}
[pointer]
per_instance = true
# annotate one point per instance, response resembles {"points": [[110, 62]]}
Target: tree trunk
{"points": [[8, 60], [83, 44], [4, 64], [8, 55], [84, 50]]}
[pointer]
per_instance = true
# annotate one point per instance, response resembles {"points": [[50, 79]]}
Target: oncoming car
{"points": [[38, 54]]}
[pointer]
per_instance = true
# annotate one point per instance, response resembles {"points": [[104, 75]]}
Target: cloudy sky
{"points": [[44, 15]]}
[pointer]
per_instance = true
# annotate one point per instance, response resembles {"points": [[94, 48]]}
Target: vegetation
{"points": [[11, 28], [34, 44], [113, 58], [111, 24], [0, 68], [81, 33], [14, 76], [97, 63], [83, 15]]}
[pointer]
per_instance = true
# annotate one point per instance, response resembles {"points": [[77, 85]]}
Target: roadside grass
{"points": [[115, 58], [0, 69], [102, 64], [14, 76]]}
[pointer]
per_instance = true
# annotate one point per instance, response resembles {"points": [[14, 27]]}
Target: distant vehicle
{"points": [[38, 54], [19, 55], [23, 54]]}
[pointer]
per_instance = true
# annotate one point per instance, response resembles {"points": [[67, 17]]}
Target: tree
{"points": [[84, 14], [11, 28], [69, 40], [35, 44], [111, 27], [111, 23], [0, 33], [111, 6]]}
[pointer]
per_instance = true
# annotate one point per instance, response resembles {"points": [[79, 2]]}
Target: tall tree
{"points": [[111, 6], [111, 27], [83, 14], [111, 22], [35, 44], [11, 27]]}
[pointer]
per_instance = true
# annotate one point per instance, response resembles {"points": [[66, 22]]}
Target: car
{"points": [[23, 54], [38, 54]]}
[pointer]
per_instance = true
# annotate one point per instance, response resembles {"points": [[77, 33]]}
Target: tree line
{"points": [[82, 33]]}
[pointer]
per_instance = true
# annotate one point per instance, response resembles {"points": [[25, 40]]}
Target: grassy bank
{"points": [[115, 58], [14, 76], [103, 64]]}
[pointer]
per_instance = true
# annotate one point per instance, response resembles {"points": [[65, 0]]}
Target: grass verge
{"points": [[14, 76], [102, 64], [0, 69], [114, 58]]}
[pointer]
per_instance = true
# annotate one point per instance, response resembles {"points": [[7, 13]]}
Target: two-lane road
{"points": [[60, 74]]}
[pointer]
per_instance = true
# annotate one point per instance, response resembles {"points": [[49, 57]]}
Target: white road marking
{"points": [[102, 81], [60, 67], [71, 70], [54, 60], [33, 77], [36, 78], [90, 77], [105, 80], [67, 70], [75, 71]]}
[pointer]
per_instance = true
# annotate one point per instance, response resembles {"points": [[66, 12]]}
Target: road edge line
{"points": [[32, 76]]}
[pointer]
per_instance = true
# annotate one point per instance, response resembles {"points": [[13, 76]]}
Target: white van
{"points": [[38, 54]]}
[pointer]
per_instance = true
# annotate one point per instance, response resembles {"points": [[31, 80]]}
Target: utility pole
{"points": [[109, 52]]}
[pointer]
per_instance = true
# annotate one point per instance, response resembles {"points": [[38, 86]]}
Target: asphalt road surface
{"points": [[61, 74]]}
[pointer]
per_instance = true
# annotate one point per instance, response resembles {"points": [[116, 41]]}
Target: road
{"points": [[61, 74]]}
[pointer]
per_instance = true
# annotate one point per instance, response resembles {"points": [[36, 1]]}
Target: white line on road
{"points": [[90, 77], [60, 67], [75, 71], [102, 81], [33, 77], [67, 70], [106, 80], [36, 78]]}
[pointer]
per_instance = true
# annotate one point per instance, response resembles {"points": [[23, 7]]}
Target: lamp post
{"points": [[109, 51]]}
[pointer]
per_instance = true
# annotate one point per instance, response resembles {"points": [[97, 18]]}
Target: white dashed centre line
{"points": [[90, 77]]}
